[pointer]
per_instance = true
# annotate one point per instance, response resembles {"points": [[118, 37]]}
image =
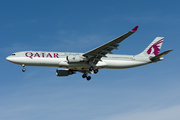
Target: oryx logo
{"points": [[155, 48], [73, 58]]}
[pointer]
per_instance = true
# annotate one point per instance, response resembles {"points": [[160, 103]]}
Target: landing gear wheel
{"points": [[91, 68], [88, 78], [23, 69], [23, 66], [96, 71], [84, 76]]}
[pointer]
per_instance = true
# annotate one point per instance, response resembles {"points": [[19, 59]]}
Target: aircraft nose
{"points": [[8, 58], [12, 59]]}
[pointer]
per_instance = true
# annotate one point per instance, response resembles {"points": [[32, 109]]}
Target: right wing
{"points": [[96, 54]]}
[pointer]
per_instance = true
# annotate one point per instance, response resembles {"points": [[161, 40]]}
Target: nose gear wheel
{"points": [[23, 68]]}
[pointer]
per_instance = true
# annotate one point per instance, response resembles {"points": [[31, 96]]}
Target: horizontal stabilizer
{"points": [[160, 55]]}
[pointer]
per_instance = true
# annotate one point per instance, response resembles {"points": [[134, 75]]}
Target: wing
{"points": [[96, 54]]}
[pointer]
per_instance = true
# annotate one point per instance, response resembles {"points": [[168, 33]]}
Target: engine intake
{"points": [[64, 72]]}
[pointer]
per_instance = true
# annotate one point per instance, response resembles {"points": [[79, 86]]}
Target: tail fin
{"points": [[154, 48]]}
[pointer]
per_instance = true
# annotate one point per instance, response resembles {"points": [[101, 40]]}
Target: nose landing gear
{"points": [[23, 68]]}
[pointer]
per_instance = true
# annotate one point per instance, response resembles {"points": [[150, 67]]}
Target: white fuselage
{"points": [[59, 59]]}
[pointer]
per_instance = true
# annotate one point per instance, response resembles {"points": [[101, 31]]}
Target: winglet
{"points": [[135, 29]]}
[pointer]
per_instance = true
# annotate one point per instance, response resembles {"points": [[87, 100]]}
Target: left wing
{"points": [[96, 54]]}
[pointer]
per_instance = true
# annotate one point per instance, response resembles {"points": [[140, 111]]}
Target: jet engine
{"points": [[76, 59], [64, 72]]}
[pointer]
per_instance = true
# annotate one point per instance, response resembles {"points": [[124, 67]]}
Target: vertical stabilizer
{"points": [[154, 48]]}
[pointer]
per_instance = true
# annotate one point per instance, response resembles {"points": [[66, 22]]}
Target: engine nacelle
{"points": [[75, 59], [64, 72]]}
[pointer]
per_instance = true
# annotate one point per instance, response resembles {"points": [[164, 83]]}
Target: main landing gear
{"points": [[91, 70], [23, 68], [85, 76]]}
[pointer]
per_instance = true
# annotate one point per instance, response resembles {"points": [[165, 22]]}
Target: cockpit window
{"points": [[13, 54]]}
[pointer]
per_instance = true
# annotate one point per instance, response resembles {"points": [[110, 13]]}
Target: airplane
{"points": [[93, 60]]}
